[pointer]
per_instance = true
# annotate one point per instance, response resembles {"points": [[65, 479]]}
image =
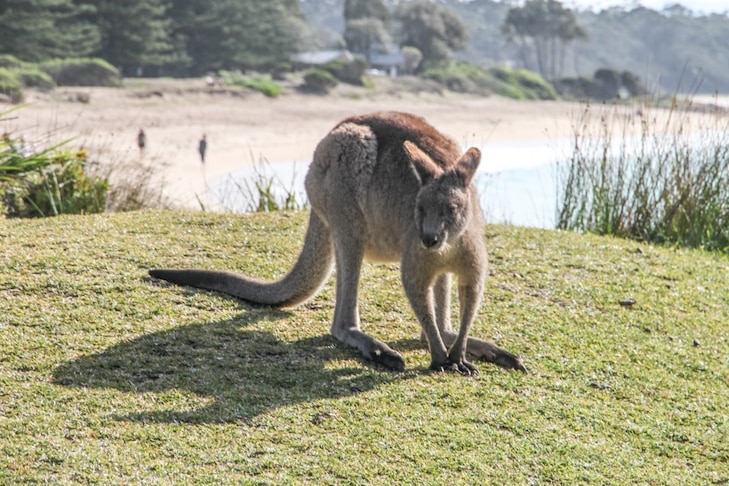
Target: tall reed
{"points": [[261, 191], [652, 174]]}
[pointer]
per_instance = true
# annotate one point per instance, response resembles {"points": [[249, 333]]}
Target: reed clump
{"points": [[40, 177], [659, 175]]}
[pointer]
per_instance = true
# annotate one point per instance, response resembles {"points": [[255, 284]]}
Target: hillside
{"points": [[106, 375], [673, 49]]}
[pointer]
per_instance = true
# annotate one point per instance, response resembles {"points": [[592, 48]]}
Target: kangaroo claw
{"points": [[461, 366]]}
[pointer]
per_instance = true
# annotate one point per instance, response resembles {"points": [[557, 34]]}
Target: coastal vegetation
{"points": [[649, 175]]}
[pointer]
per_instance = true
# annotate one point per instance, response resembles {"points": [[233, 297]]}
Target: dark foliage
{"points": [[605, 84]]}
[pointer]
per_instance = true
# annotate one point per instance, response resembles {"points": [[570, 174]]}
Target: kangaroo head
{"points": [[442, 207]]}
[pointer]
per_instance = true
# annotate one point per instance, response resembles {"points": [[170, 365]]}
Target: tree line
{"points": [[150, 37], [669, 49], [193, 37], [153, 36]]}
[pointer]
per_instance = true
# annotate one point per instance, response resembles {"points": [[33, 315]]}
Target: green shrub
{"points": [[413, 56], [631, 82], [460, 83], [518, 84], [535, 84], [10, 62], [47, 182], [319, 81], [262, 83], [523, 84], [348, 71], [10, 85], [510, 91], [82, 72], [35, 78], [576, 88], [605, 84], [462, 77], [66, 189]]}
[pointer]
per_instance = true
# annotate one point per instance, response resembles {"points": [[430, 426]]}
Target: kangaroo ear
{"points": [[423, 166], [467, 165]]}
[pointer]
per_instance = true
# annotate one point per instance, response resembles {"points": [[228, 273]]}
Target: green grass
{"points": [[259, 82], [107, 376]]}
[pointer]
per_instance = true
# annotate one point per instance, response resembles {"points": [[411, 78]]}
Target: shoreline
{"points": [[246, 128]]}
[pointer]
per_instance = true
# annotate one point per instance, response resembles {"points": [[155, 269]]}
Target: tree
{"points": [[365, 35], [546, 27], [134, 33], [366, 26], [433, 29], [326, 23], [231, 34], [366, 9], [36, 30], [412, 58], [272, 33]]}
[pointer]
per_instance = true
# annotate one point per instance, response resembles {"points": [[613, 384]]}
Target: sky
{"points": [[698, 6]]}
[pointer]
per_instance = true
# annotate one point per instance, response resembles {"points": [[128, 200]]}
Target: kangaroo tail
{"points": [[310, 271]]}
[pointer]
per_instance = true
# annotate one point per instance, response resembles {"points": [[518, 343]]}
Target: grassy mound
{"points": [[105, 373]]}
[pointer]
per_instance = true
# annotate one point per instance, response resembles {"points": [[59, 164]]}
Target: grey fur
{"points": [[386, 187]]}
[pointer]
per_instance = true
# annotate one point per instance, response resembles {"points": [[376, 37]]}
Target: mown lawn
{"points": [[107, 376]]}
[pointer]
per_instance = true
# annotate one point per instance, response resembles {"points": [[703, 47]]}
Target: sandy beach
{"points": [[245, 128]]}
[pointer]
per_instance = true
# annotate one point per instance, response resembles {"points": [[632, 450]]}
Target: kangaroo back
{"points": [[303, 281]]}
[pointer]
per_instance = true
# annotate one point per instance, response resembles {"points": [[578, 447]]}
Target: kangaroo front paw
{"points": [[457, 366], [389, 359]]}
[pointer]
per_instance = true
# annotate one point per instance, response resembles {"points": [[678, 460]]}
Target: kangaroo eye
{"points": [[448, 211]]}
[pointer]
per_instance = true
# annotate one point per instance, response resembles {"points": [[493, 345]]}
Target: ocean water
{"points": [[516, 181]]}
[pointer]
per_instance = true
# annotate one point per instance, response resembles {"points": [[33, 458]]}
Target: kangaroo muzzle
{"points": [[430, 241]]}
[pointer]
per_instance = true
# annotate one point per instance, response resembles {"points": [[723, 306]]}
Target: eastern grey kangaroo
{"points": [[386, 187]]}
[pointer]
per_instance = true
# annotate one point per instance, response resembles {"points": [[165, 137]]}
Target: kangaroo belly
{"points": [[381, 249]]}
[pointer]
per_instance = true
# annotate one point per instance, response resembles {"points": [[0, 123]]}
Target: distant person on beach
{"points": [[202, 147], [141, 141]]}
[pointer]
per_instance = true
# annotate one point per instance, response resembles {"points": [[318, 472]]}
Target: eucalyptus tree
{"points": [[545, 27]]}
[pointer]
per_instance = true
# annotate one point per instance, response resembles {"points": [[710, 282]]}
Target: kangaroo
{"points": [[386, 187]]}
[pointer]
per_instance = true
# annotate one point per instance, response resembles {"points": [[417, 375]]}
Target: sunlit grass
{"points": [[108, 376]]}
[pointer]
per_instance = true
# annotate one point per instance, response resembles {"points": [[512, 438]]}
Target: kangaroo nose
{"points": [[429, 241]]}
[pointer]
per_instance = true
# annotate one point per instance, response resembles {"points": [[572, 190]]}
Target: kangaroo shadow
{"points": [[242, 372]]}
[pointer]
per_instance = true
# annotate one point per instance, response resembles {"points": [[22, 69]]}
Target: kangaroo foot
{"points": [[488, 351], [507, 361], [457, 366], [389, 359]]}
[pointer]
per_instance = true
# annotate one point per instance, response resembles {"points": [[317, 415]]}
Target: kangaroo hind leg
{"points": [[349, 251]]}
